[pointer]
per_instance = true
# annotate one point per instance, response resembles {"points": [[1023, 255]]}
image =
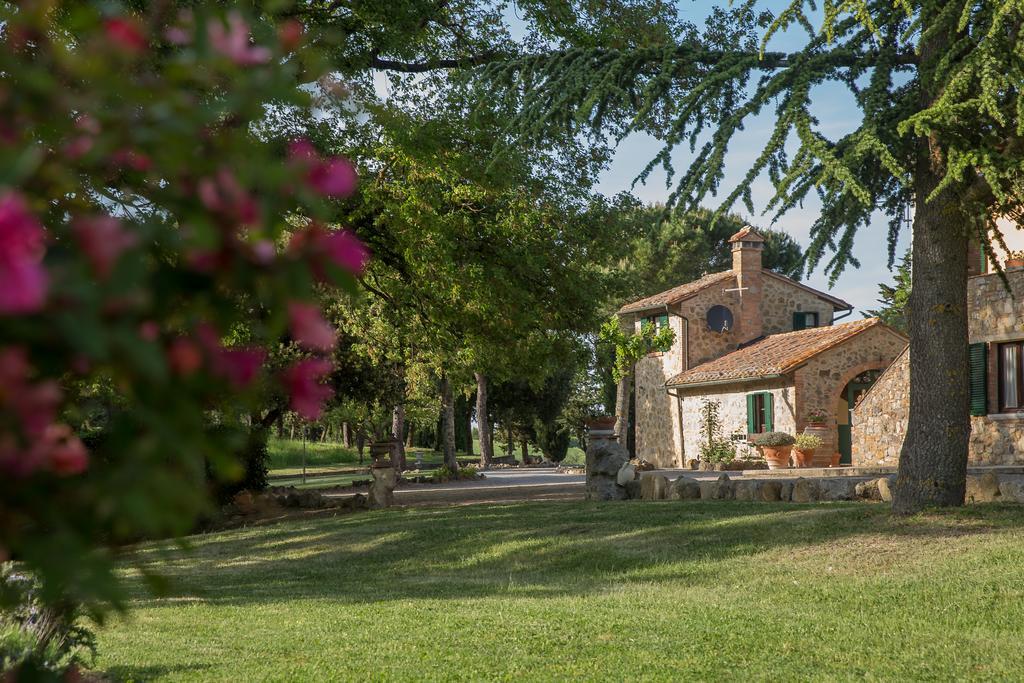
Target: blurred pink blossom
{"points": [[125, 34], [334, 177], [131, 160], [303, 380], [345, 250], [289, 34], [238, 365], [23, 280], [309, 328], [65, 452], [103, 239], [49, 445], [223, 194], [232, 41], [184, 356]]}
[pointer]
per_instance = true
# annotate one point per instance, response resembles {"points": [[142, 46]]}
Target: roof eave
{"points": [[731, 380]]}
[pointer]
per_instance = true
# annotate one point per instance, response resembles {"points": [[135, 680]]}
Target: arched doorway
{"points": [[845, 404]]}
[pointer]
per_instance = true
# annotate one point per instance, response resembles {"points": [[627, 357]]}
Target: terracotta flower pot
{"points": [[777, 457], [601, 422], [1014, 263], [836, 457], [804, 458], [602, 427]]}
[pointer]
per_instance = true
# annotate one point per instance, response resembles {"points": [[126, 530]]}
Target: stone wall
{"points": [[880, 421], [781, 300], [820, 383], [658, 435], [733, 411]]}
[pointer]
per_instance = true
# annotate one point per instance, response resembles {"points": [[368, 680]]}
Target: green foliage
{"points": [[714, 447], [670, 250], [773, 439], [807, 442], [920, 71], [38, 640], [629, 348], [254, 458], [128, 139], [895, 298]]}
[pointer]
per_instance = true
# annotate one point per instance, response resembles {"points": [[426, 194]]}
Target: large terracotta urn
{"points": [[822, 456], [777, 457]]}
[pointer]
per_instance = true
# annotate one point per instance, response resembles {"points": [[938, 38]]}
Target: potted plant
{"points": [[1015, 259], [803, 449], [776, 447], [817, 417]]}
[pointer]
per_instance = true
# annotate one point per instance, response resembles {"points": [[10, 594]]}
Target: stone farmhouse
{"points": [[764, 346], [996, 338]]}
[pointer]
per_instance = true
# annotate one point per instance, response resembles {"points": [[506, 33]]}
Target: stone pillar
{"points": [[385, 476], [605, 457]]}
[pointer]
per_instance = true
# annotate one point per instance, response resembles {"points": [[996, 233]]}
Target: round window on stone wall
{"points": [[719, 319]]}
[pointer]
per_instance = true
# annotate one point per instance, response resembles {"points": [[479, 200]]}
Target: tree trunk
{"points": [[622, 394], [398, 434], [482, 423], [509, 444], [524, 449], [448, 424], [346, 435], [469, 431], [933, 463], [360, 441]]}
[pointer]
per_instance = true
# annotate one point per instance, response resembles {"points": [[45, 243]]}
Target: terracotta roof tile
{"points": [[675, 294], [776, 354], [748, 234]]}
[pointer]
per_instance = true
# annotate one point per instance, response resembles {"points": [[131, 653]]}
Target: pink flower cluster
{"points": [[340, 248], [23, 280], [232, 41], [37, 442], [303, 381], [103, 239], [331, 177]]}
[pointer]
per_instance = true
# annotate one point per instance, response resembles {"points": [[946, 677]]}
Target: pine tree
{"points": [[894, 298]]}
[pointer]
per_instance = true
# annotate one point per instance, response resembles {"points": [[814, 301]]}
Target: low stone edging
{"points": [[984, 488]]}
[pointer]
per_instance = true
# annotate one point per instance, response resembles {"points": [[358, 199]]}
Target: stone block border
{"points": [[984, 488]]}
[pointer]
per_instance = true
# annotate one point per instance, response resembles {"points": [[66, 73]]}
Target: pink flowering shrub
{"points": [[154, 253]]}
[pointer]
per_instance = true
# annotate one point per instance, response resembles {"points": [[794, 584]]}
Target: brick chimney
{"points": [[747, 247]]}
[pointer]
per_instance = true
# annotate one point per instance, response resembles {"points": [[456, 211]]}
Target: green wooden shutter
{"points": [[799, 322], [769, 413], [751, 417], [979, 383], [662, 321]]}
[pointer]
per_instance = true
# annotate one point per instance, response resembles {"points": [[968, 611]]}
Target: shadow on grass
{"points": [[526, 549], [130, 674]]}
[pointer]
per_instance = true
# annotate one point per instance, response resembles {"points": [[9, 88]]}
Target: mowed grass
{"points": [[286, 455], [589, 591]]}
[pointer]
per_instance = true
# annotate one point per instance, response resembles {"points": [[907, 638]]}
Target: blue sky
{"points": [[837, 114]]}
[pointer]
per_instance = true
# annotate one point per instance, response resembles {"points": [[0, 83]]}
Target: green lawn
{"points": [[286, 455], [584, 591]]}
